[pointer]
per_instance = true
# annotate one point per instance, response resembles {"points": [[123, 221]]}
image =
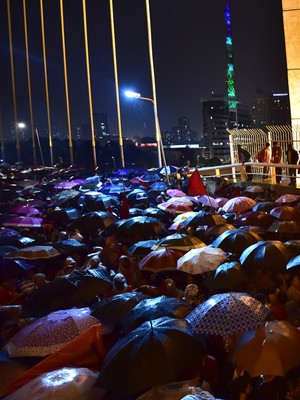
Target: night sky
{"points": [[189, 58]]}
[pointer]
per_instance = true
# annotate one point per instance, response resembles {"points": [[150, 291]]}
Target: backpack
{"points": [[260, 155]]}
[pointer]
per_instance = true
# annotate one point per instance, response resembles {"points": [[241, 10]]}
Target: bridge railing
{"points": [[237, 172]]}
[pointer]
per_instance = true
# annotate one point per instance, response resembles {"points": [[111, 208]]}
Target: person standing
{"points": [[276, 159], [264, 156], [244, 156], [292, 158]]}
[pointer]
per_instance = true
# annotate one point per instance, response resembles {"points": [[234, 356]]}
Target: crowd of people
{"points": [[215, 371]]}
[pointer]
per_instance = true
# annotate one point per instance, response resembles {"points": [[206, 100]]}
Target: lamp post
{"points": [[135, 95]]}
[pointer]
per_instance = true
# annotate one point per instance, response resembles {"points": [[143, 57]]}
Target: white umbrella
{"points": [[201, 260]]}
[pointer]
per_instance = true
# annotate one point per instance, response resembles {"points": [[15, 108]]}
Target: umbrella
{"points": [[27, 183], [217, 230], [273, 349], [264, 206], [150, 309], [265, 254], [176, 193], [160, 260], [174, 207], [8, 236], [7, 195], [184, 390], [64, 383], [48, 334], [293, 263], [179, 241], [141, 227], [156, 352], [227, 276], [236, 240], [205, 218], [137, 195], [35, 253], [91, 222], [159, 186], [124, 172], [24, 209], [150, 178], [207, 201], [228, 313], [288, 198], [257, 218], [69, 184], [135, 212], [71, 246], [239, 204], [199, 261], [74, 290], [112, 310], [24, 222], [141, 248], [221, 201], [169, 169], [285, 212], [288, 227], [294, 245], [10, 268], [254, 189], [96, 201]]}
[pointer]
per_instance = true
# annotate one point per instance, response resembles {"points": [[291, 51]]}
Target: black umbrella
{"points": [[293, 263], [227, 276], [141, 248], [11, 268], [236, 240], [204, 218], [156, 212], [264, 206], [270, 255], [112, 310], [62, 216], [137, 195], [77, 289], [90, 223], [157, 307], [156, 352], [71, 246], [96, 201]]}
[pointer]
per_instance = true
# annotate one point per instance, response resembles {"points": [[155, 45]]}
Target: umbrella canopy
{"points": [[239, 204], [91, 222], [256, 218], [273, 349], [288, 227], [264, 206], [254, 189], [71, 246], [217, 230], [207, 201], [61, 216], [35, 253], [141, 227], [25, 209], [168, 169], [156, 352], [74, 290], [227, 276], [64, 383], [150, 309], [141, 248], [293, 263], [174, 207], [68, 184], [150, 178], [228, 313], [95, 201], [236, 240], [24, 222], [267, 255], [156, 212], [179, 241], [176, 193], [288, 198], [286, 213], [10, 268], [160, 260], [294, 245], [177, 391], [124, 172], [137, 195], [221, 201], [159, 186], [112, 310], [203, 218], [48, 334], [199, 261]]}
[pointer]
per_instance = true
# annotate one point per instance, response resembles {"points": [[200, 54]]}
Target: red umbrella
{"points": [[160, 260], [50, 333], [239, 204], [24, 222], [24, 209], [288, 198]]}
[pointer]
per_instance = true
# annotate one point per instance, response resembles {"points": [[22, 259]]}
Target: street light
{"points": [[135, 95]]}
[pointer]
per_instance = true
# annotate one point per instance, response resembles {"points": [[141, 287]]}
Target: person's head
{"points": [[290, 146], [275, 144], [267, 145], [119, 283], [124, 262], [39, 280]]}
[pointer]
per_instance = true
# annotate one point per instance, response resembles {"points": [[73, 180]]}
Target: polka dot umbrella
{"points": [[50, 333]]}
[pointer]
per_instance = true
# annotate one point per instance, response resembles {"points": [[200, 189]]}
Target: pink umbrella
{"points": [[24, 209], [69, 184], [221, 201], [174, 207], [239, 204], [176, 193], [288, 198], [208, 201], [24, 222], [48, 334]]}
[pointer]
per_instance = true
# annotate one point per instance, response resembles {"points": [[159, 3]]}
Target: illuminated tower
{"points": [[232, 102]]}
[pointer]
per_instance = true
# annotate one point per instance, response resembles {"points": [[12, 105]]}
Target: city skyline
{"points": [[189, 59]]}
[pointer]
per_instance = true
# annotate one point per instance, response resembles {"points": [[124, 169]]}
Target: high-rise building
{"points": [[181, 134], [101, 126], [261, 109], [280, 109], [218, 117]]}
